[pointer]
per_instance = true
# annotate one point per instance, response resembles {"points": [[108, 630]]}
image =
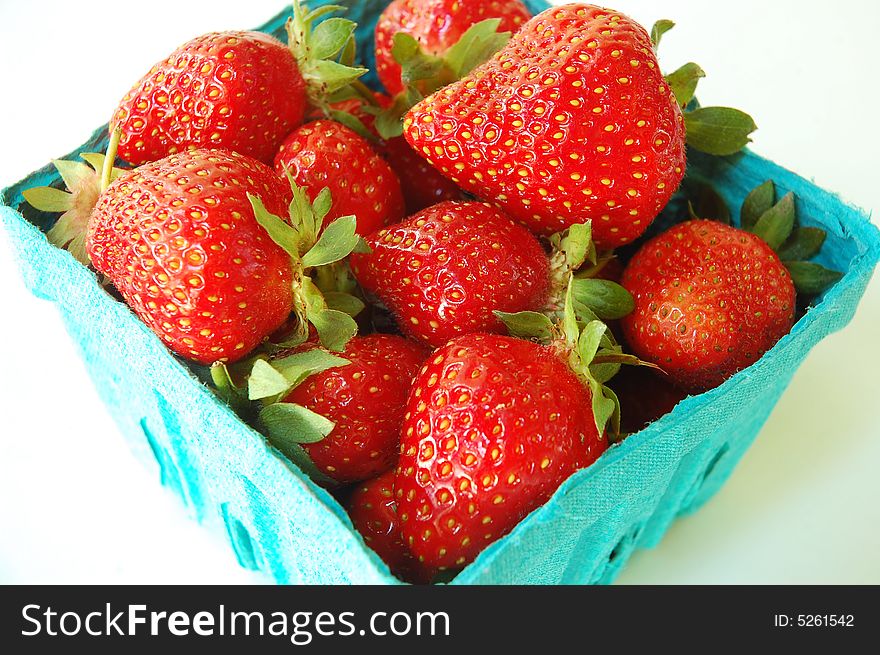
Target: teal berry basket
{"points": [[277, 520]]}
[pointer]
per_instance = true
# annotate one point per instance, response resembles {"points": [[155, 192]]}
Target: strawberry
{"points": [[710, 298], [373, 512], [443, 271], [571, 121], [436, 25], [243, 91], [193, 246], [354, 404], [493, 426], [178, 239], [324, 154]]}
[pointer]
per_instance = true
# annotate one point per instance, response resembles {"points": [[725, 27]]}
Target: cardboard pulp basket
{"points": [[280, 522]]}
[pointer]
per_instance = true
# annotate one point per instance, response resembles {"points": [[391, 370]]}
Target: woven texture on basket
{"points": [[278, 521]]}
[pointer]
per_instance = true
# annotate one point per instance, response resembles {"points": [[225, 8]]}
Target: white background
{"points": [[804, 504]]}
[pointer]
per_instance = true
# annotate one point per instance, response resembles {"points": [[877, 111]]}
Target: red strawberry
{"points": [[243, 91], [373, 512], [571, 121], [236, 90], [437, 25], [179, 240], [493, 426], [443, 271], [363, 401], [422, 184], [710, 300], [327, 154]]}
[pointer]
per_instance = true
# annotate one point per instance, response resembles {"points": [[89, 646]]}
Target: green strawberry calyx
{"points": [[84, 186], [718, 131], [311, 247], [289, 425], [775, 222], [324, 51], [584, 342], [572, 250], [423, 73]]}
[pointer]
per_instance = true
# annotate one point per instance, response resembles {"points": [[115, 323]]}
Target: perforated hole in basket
{"points": [[242, 544], [175, 468]]}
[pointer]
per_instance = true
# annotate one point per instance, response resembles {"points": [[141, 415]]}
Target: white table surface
{"points": [[802, 507]]}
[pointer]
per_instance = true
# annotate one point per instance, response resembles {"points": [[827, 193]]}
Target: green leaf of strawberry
{"points": [[660, 28], [804, 243], [718, 130], [335, 328], [331, 36], [83, 189], [281, 376], [336, 242], [315, 45], [810, 278], [759, 200], [684, 82], [527, 325], [776, 224], [607, 299], [476, 45], [344, 302], [289, 423], [266, 382]]}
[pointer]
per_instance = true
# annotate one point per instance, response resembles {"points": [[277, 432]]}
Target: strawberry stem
{"points": [[107, 170]]}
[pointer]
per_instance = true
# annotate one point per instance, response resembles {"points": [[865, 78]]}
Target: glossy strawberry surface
{"points": [[373, 512], [327, 154], [444, 270], [710, 300], [437, 25], [493, 426], [240, 91], [178, 239], [366, 401], [571, 121]]}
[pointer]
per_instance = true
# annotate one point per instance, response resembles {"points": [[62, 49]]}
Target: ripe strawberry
{"points": [[710, 300], [373, 512], [493, 426], [326, 154], [361, 401], [571, 121], [243, 91], [422, 184], [179, 240], [437, 25], [443, 271]]}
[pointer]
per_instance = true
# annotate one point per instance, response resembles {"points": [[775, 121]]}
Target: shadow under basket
{"points": [[280, 522]]}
